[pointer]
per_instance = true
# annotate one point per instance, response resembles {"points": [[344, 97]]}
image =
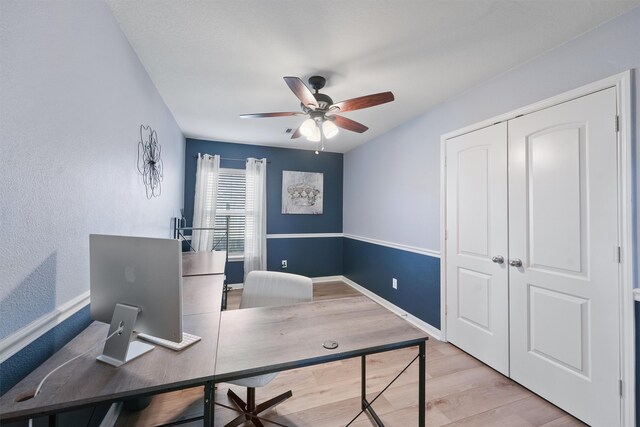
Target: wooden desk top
{"points": [[261, 340], [235, 344], [203, 263], [201, 294], [86, 381]]}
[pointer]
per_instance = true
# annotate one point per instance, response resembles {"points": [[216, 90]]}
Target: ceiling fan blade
{"points": [[281, 114], [364, 101], [348, 124], [296, 133], [301, 91]]}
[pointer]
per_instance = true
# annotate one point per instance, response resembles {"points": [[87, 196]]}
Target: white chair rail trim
{"points": [[402, 247], [23, 337], [303, 235]]}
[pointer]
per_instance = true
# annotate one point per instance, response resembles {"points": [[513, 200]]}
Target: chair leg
{"points": [[251, 399], [249, 408], [273, 402], [237, 400], [239, 420]]}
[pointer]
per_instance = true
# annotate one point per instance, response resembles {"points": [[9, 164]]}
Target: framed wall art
{"points": [[302, 192]]}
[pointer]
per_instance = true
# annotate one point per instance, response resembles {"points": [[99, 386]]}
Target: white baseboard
{"points": [[431, 330], [316, 280], [235, 285], [23, 337], [112, 415], [326, 279]]}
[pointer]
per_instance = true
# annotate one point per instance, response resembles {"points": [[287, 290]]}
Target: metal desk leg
{"points": [[421, 385], [208, 404], [366, 406], [225, 290], [363, 382]]}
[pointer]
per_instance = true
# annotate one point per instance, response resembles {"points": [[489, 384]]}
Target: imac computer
{"points": [[136, 284]]}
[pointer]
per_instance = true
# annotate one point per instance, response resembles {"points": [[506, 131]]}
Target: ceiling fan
{"points": [[323, 120]]}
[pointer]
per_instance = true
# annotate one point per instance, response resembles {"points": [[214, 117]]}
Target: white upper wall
{"points": [[392, 183], [73, 96]]}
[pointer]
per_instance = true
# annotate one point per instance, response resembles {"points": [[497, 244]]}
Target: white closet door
{"points": [[477, 287], [563, 227]]}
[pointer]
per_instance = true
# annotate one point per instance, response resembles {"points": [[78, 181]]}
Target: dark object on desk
{"points": [[330, 345], [136, 404], [267, 289]]}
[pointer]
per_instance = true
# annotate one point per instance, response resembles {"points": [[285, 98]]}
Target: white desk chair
{"points": [[267, 289]]}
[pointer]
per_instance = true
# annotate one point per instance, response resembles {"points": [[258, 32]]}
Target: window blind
{"points": [[230, 206]]}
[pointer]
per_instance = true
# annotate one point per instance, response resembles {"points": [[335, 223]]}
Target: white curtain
{"points": [[255, 234], [204, 205]]}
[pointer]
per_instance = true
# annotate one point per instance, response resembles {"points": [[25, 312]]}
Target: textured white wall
{"points": [[72, 97], [392, 183]]}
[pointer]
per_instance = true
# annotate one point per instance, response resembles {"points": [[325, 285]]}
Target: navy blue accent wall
{"points": [[234, 272], [330, 164], [312, 257], [26, 360], [374, 266]]}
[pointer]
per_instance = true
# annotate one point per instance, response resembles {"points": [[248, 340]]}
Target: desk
{"points": [[203, 263], [245, 347], [262, 340], [87, 382]]}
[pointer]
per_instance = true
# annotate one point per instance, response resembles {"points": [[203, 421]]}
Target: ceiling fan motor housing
{"points": [[317, 82], [324, 101]]}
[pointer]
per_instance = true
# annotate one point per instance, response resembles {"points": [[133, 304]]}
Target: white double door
{"points": [[531, 253]]}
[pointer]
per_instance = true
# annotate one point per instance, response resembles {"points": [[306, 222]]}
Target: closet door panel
{"points": [[476, 217], [564, 328]]}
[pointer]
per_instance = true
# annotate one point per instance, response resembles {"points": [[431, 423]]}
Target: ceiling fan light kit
{"points": [[322, 121], [329, 129], [315, 135], [307, 127]]}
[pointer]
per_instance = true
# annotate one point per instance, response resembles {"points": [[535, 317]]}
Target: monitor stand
{"points": [[119, 349]]}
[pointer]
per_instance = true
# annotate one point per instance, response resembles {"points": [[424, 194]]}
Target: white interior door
{"points": [[564, 340], [476, 217]]}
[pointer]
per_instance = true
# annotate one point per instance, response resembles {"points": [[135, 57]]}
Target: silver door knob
{"points": [[498, 259], [515, 262]]}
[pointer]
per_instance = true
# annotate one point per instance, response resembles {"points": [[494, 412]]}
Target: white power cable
{"points": [[117, 331]]}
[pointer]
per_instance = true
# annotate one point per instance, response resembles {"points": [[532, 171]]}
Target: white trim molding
{"points": [[626, 229], [232, 286], [327, 279], [431, 330], [303, 235], [23, 337], [315, 280], [402, 247]]}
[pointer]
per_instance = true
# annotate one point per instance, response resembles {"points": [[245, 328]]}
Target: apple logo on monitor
{"points": [[130, 274]]}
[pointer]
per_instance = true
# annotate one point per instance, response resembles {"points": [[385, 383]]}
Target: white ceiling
{"points": [[214, 60]]}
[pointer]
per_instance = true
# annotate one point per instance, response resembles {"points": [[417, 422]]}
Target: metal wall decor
{"points": [[149, 161]]}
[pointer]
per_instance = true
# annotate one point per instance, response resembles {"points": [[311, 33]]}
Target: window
{"points": [[230, 206]]}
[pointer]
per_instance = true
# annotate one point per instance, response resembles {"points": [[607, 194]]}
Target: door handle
{"points": [[515, 262], [498, 259]]}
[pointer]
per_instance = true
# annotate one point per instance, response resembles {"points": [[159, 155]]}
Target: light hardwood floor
{"points": [[461, 391]]}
